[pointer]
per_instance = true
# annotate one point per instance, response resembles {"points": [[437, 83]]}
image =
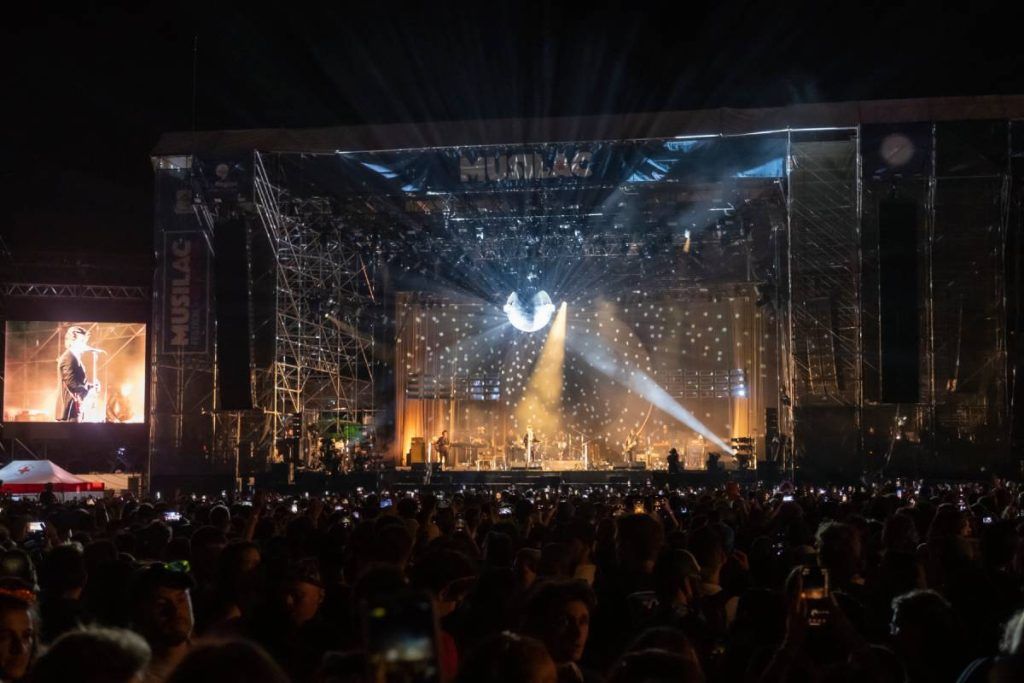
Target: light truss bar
{"points": [[55, 291]]}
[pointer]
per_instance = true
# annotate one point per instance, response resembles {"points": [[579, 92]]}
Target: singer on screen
{"points": [[75, 392]]}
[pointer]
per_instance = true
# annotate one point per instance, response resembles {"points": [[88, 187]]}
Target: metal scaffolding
{"points": [[324, 289], [825, 287]]}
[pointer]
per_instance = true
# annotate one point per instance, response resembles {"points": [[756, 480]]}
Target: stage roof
{"points": [[611, 127]]}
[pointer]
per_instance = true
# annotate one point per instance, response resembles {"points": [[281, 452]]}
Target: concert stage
{"points": [[586, 296]]}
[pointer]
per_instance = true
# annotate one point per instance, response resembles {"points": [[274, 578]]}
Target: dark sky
{"points": [[89, 89]]}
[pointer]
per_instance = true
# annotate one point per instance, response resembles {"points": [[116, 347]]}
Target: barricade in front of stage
{"points": [[419, 478]]}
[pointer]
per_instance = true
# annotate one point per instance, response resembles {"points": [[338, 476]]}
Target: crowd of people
{"points": [[888, 581]]}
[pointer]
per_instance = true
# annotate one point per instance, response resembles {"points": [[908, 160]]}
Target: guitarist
{"points": [[71, 374], [442, 446], [632, 442]]}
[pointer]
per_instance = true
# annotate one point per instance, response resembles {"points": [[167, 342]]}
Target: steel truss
{"points": [[183, 421], [964, 381], [52, 291], [322, 366], [499, 226], [824, 253]]}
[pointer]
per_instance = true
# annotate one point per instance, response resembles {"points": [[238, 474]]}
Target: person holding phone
{"points": [[808, 650]]}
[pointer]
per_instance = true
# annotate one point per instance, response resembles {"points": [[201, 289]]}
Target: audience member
{"points": [[161, 606], [563, 583], [18, 630], [227, 662], [94, 655]]}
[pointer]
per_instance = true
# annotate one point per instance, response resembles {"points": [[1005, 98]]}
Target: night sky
{"points": [[90, 88]]}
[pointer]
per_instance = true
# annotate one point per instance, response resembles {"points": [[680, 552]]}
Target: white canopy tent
{"points": [[32, 476]]}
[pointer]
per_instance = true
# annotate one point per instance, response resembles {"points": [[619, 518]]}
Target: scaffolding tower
{"points": [[322, 365], [825, 273]]}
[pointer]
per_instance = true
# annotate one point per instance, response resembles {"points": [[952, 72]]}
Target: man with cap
{"points": [[162, 614], [291, 627], [301, 591], [677, 582]]}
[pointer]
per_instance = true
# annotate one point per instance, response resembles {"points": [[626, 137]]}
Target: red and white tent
{"points": [[32, 476]]}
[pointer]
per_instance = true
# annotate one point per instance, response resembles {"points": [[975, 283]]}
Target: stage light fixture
{"points": [[527, 320]]}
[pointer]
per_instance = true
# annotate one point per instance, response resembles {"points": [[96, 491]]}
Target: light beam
{"points": [[541, 404], [601, 359]]}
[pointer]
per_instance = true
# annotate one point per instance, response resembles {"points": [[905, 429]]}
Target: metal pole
{"points": [[858, 284], [930, 302], [790, 389]]}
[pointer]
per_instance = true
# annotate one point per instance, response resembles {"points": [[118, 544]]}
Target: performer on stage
{"points": [[563, 444], [632, 442], [529, 443], [441, 446], [673, 462], [712, 464], [74, 390]]}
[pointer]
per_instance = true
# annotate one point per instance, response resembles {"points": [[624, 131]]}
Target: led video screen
{"points": [[75, 372]]}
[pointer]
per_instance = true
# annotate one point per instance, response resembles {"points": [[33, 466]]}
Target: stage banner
{"points": [[591, 164], [185, 311]]}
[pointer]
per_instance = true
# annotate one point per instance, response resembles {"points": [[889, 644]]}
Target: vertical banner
{"points": [[185, 323]]}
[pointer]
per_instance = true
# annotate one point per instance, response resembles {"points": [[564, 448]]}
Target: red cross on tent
{"points": [[32, 476]]}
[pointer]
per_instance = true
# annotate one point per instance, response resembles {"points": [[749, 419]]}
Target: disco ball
{"points": [[529, 318]]}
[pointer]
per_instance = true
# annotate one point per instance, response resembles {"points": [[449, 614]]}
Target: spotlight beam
{"points": [[640, 382], [541, 404]]}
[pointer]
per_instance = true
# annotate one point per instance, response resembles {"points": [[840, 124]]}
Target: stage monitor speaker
{"points": [[899, 313], [417, 451], [231, 291]]}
